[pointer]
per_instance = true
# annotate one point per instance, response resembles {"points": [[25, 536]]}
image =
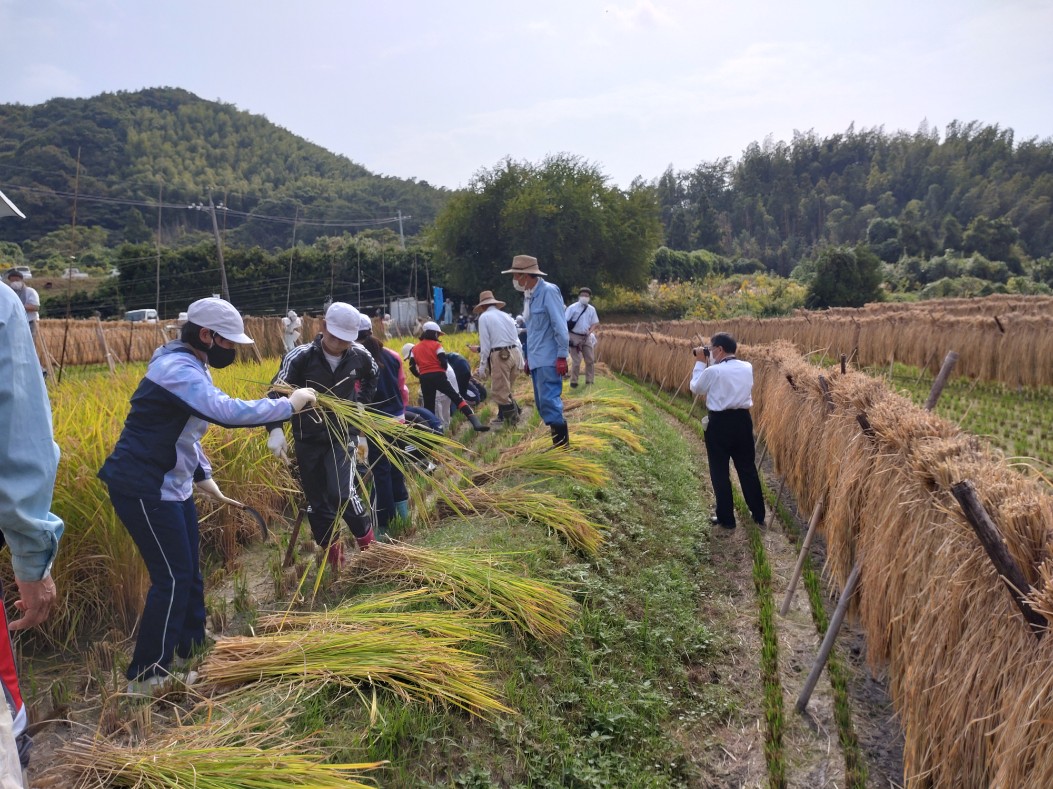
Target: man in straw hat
{"points": [[500, 355], [546, 342], [29, 458]]}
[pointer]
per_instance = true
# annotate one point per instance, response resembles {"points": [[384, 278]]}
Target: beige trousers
{"points": [[503, 374], [583, 349]]}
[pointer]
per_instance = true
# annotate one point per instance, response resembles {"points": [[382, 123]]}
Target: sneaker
{"points": [[146, 687], [573, 384]]}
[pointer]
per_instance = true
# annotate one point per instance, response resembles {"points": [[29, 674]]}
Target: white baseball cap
{"points": [[221, 317], [342, 321], [365, 324], [407, 349], [432, 326]]}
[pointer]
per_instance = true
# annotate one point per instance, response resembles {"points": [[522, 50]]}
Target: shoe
{"points": [[473, 420], [573, 384], [728, 526], [335, 557], [714, 519], [146, 687]]}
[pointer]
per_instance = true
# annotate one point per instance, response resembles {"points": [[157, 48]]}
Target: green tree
{"points": [[844, 277], [883, 238], [562, 211]]}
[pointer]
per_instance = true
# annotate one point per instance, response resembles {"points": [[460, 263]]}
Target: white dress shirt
{"points": [[727, 384], [496, 330]]}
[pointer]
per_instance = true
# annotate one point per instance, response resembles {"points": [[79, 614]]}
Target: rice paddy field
{"points": [[569, 618]]}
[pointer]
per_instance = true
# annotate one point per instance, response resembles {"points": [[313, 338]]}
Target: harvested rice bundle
{"points": [[413, 666], [545, 508], [221, 754], [544, 464], [388, 610], [471, 580]]}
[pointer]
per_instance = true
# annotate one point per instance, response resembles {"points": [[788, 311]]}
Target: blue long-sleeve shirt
{"points": [[158, 455], [546, 326], [28, 453]]}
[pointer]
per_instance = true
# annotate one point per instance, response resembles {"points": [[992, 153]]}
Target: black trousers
{"points": [[327, 474], [729, 439], [430, 383]]}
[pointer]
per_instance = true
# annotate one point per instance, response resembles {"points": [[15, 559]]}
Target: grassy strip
{"points": [[773, 698], [773, 701], [625, 698]]}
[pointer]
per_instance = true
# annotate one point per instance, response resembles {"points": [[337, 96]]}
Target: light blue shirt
{"points": [[546, 326], [28, 453]]}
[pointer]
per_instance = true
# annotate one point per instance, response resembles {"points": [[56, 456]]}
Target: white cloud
{"points": [[644, 14]]}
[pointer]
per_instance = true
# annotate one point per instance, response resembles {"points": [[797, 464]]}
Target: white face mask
{"points": [[18, 284], [583, 299], [519, 286]]}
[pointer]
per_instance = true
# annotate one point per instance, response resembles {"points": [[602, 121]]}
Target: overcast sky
{"points": [[437, 90]]}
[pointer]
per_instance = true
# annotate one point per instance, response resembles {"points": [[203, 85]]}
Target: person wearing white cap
{"points": [[388, 493], [291, 327], [428, 363], [546, 342], [325, 454], [158, 461]]}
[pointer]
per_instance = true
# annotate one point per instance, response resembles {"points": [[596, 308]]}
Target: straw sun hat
{"points": [[486, 299], [525, 264]]}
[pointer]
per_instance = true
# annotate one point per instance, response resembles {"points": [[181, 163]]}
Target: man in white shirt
{"points": [[500, 354], [582, 321], [27, 295], [727, 384], [292, 325]]}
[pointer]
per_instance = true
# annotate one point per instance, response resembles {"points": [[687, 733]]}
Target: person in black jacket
{"points": [[335, 365]]}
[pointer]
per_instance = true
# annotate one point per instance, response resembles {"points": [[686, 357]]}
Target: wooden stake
{"points": [[677, 392], [829, 398], [844, 364], [288, 560], [778, 498], [993, 542], [828, 640], [817, 513], [48, 360], [941, 380], [103, 347]]}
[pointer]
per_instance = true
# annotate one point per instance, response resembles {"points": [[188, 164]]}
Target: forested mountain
{"points": [[135, 146], [907, 195]]}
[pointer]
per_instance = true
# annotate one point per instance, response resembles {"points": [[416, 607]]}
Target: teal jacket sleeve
{"points": [[28, 452]]}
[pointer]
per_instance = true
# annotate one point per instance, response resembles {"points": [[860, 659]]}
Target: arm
{"points": [[367, 375], [557, 314], [32, 300], [701, 377], [30, 459]]}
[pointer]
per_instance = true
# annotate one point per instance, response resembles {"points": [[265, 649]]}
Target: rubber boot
{"points": [[335, 557], [473, 420], [512, 415], [560, 436], [366, 540], [402, 509], [498, 420]]}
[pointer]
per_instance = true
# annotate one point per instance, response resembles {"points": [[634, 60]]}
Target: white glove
{"points": [[208, 487], [301, 398], [362, 451], [277, 444]]}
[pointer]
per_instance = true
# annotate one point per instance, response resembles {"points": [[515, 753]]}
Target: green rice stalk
{"points": [[612, 430], [474, 581]]}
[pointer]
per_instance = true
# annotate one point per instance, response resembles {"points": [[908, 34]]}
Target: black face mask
{"points": [[217, 356], [221, 357]]}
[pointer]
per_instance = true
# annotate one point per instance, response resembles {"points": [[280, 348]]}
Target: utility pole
{"points": [[288, 286], [402, 238], [219, 247], [160, 194]]}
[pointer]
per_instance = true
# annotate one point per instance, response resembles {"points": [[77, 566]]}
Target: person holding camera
{"points": [[727, 385]]}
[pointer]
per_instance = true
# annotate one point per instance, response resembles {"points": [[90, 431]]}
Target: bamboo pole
{"points": [[817, 513], [45, 352], [994, 544], [941, 380], [103, 347], [828, 640], [288, 560]]}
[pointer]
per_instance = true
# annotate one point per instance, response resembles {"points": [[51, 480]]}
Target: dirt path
{"points": [[811, 747]]}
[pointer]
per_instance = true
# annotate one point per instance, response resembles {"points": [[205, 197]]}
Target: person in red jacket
{"points": [[428, 362]]}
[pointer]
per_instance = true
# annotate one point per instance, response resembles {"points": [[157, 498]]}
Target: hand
{"points": [[561, 366], [362, 451], [277, 443], [301, 398], [208, 487], [35, 601], [526, 368]]}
